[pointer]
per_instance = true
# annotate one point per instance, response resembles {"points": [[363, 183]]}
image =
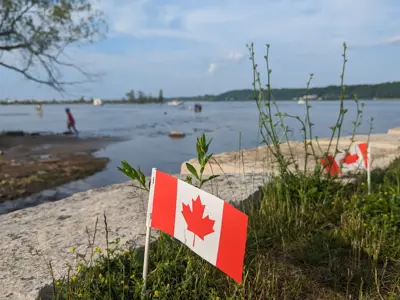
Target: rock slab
{"points": [[384, 148]]}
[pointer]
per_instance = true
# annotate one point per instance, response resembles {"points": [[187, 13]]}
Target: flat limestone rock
{"points": [[394, 130], [384, 148], [32, 237]]}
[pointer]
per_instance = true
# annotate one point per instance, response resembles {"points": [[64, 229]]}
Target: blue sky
{"points": [[191, 47]]}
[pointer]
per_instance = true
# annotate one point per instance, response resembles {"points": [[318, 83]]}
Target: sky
{"points": [[191, 47]]}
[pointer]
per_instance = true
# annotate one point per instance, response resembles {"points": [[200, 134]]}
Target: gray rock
{"points": [[32, 237]]}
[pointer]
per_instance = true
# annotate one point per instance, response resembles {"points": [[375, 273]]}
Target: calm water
{"points": [[147, 126]]}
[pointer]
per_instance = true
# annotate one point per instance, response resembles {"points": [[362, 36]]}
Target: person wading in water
{"points": [[71, 122]]}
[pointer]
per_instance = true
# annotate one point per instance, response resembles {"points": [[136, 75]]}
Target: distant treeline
{"points": [[130, 98], [387, 90]]}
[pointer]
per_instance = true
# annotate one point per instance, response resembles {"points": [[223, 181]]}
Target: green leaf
{"points": [[189, 179], [123, 171], [202, 169], [141, 176], [192, 170], [207, 158], [199, 151], [125, 164], [208, 179], [203, 140], [127, 173], [129, 170], [212, 177]]}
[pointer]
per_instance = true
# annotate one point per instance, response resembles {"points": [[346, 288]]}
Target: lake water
{"points": [[146, 128]]}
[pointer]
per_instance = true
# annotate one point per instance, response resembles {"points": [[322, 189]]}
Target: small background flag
{"points": [[355, 158], [209, 226]]}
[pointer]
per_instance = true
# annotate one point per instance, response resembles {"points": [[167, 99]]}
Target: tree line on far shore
{"points": [[381, 91], [131, 97]]}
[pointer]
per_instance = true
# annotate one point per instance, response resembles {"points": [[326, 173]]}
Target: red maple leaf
{"points": [[194, 219], [349, 159]]}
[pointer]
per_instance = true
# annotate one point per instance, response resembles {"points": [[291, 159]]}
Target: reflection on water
{"points": [[39, 110], [147, 128]]}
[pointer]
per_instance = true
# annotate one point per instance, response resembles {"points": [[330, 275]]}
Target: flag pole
{"points": [[148, 230], [369, 168]]}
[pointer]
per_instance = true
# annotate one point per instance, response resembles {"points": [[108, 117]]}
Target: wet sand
{"points": [[33, 163]]}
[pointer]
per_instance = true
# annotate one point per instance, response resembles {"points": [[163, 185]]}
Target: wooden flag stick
{"points": [[369, 168], [148, 230]]}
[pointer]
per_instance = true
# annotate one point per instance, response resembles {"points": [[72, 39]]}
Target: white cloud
{"points": [[393, 40], [211, 68], [232, 57], [235, 56]]}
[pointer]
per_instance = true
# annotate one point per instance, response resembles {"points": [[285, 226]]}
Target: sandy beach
{"points": [[31, 163]]}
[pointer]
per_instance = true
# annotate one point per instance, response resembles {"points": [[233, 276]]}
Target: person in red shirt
{"points": [[71, 121]]}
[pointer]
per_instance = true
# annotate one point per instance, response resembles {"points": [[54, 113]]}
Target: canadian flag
{"points": [[356, 157], [209, 226]]}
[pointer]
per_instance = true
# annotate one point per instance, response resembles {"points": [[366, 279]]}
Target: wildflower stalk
{"points": [[310, 125], [339, 122]]}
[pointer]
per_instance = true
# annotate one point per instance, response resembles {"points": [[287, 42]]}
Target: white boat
{"points": [[174, 102], [307, 97], [97, 102]]}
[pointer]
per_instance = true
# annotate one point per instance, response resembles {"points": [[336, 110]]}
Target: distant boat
{"points": [[174, 102], [97, 102], [308, 98]]}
